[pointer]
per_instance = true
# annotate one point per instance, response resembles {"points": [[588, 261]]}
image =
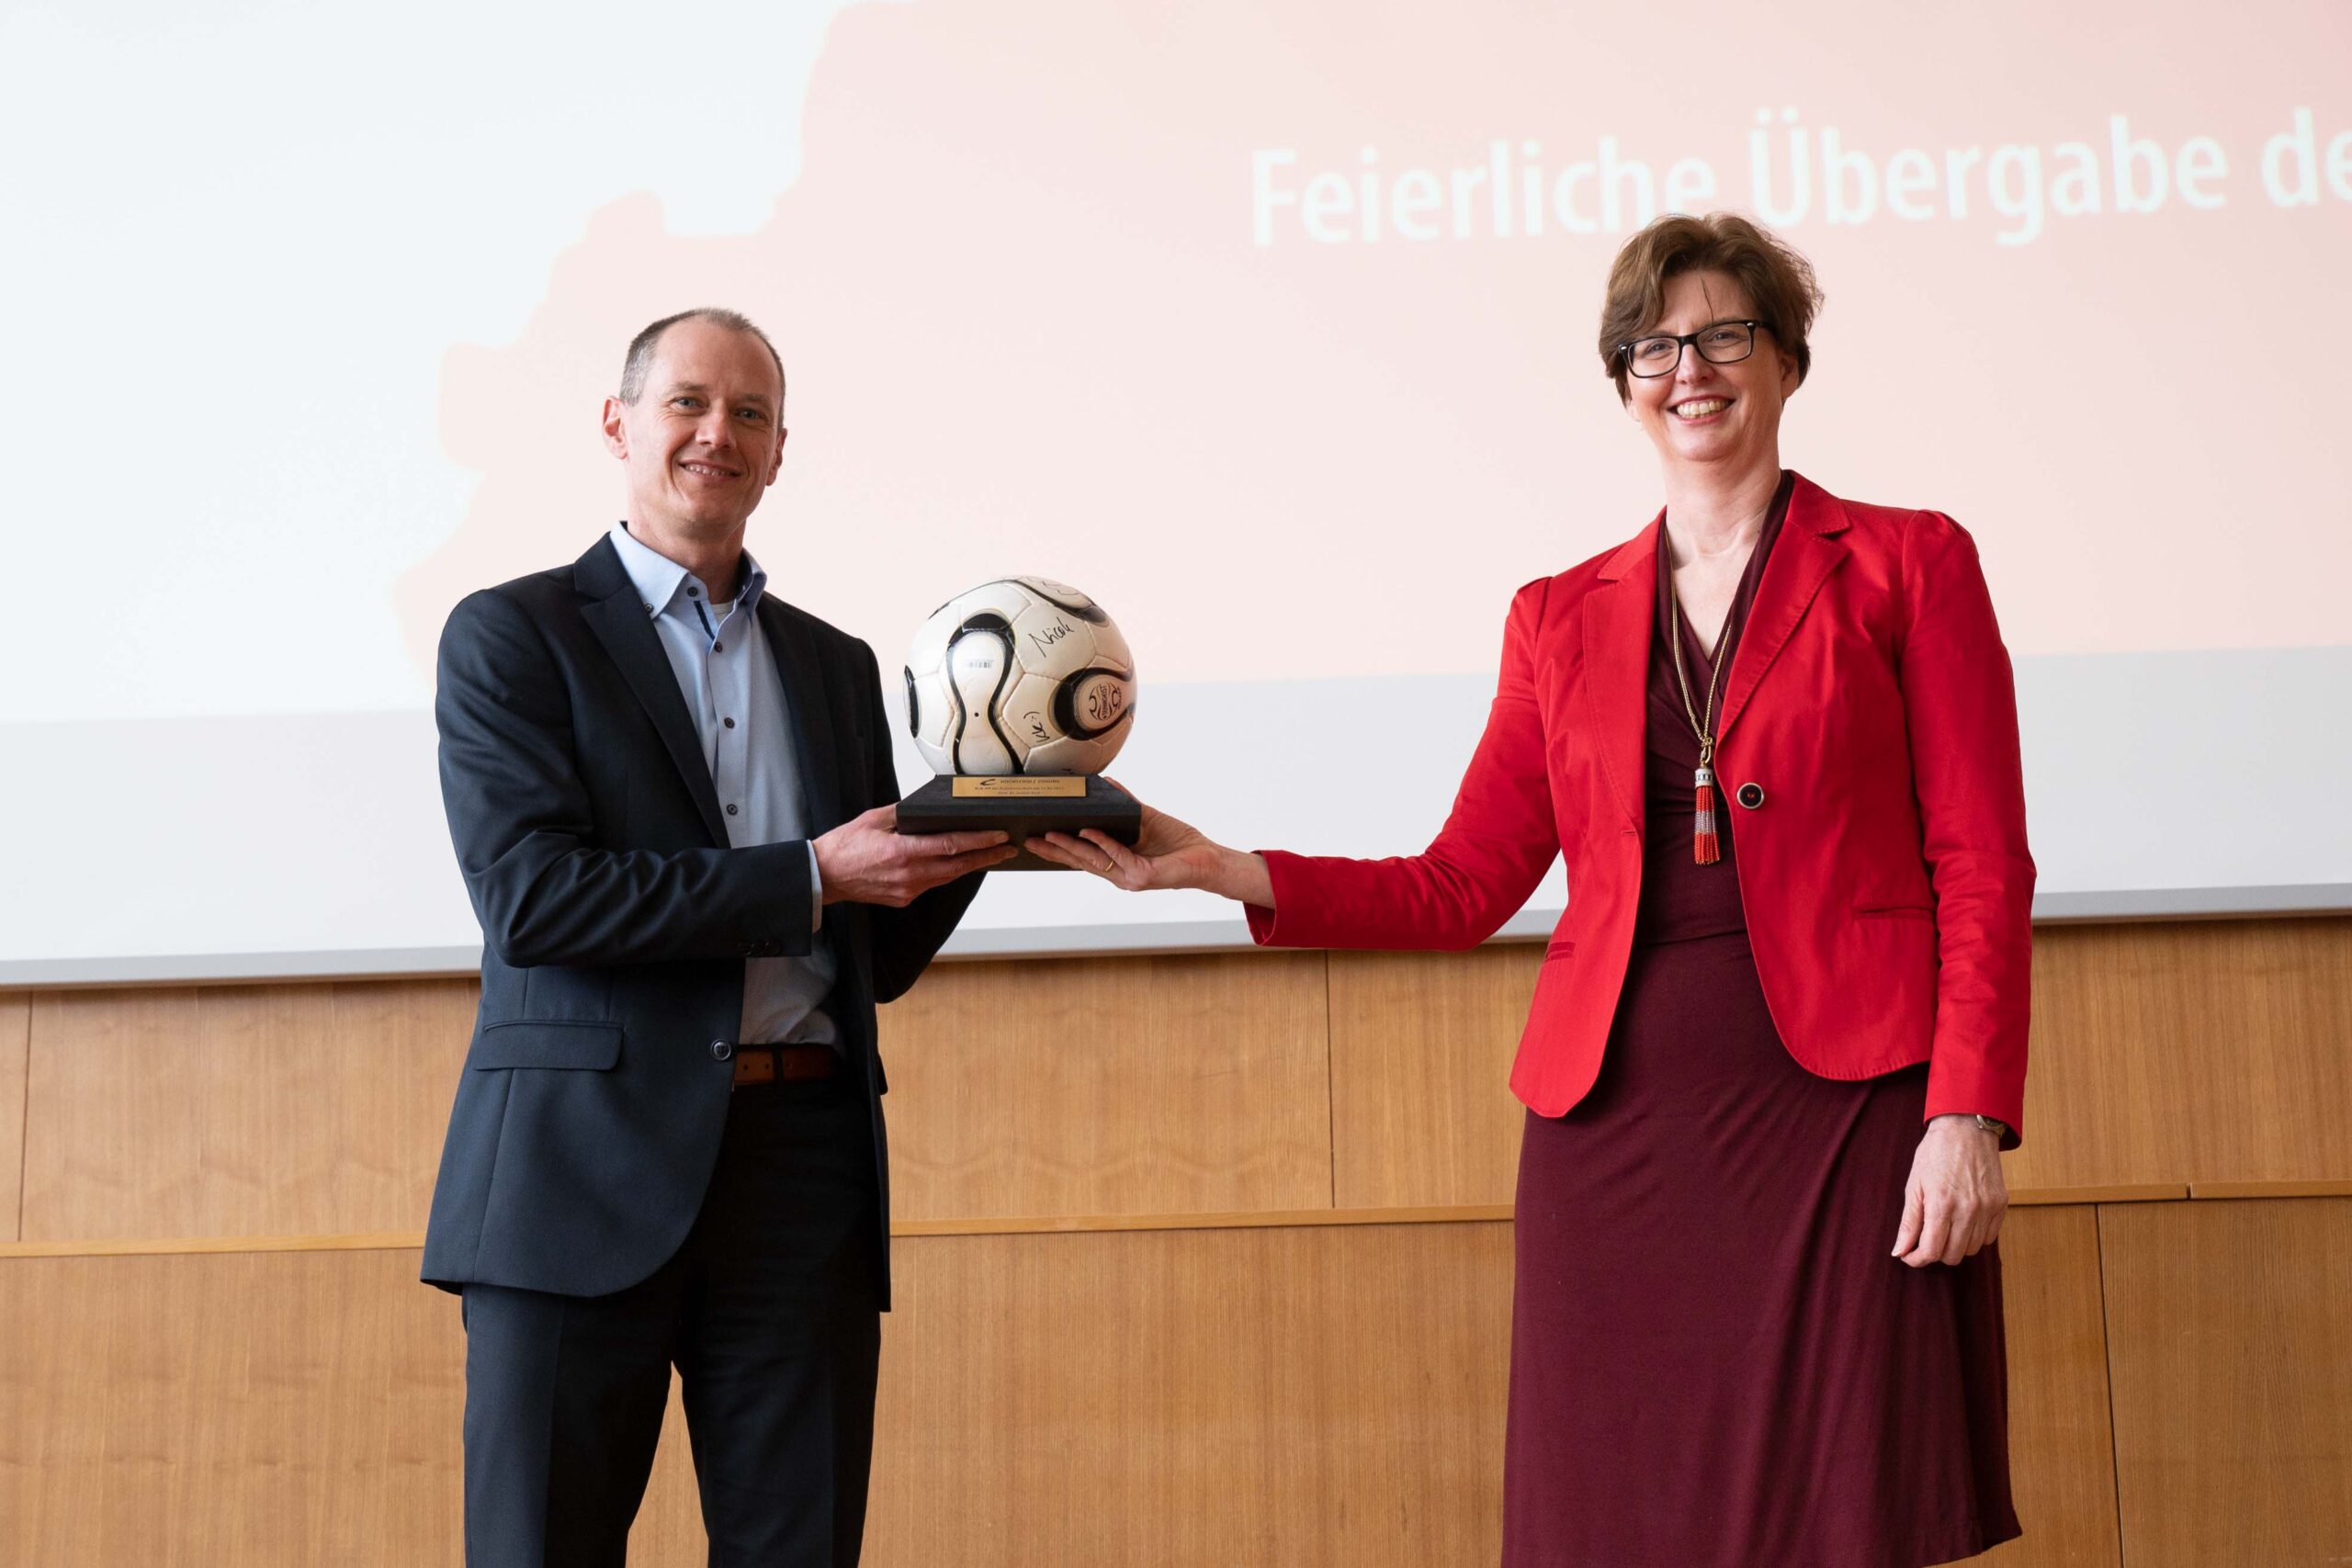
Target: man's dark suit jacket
{"points": [[616, 922]]}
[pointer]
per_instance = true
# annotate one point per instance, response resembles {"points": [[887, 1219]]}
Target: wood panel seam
{"points": [[2107, 1356], [1049, 1224], [2098, 1198], [25, 1117], [2212, 1192], [1331, 1087], [2119, 1192]]}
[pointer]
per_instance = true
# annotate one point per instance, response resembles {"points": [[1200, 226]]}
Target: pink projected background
{"points": [[1267, 323], [1271, 324]]}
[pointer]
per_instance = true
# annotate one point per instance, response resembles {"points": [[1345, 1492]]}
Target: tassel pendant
{"points": [[1705, 849]]}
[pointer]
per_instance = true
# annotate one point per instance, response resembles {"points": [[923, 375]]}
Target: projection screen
{"points": [[1270, 325]]}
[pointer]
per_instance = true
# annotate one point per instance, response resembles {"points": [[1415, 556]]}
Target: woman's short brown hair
{"points": [[1778, 280]]}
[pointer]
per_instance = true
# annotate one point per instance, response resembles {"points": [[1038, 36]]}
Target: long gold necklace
{"points": [[1705, 848]]}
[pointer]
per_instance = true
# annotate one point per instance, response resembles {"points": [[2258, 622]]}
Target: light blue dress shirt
{"points": [[729, 677]]}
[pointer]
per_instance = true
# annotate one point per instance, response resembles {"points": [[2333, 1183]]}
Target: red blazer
{"points": [[1884, 871]]}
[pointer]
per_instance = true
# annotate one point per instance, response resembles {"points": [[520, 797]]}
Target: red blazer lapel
{"points": [[1803, 558], [1619, 615]]}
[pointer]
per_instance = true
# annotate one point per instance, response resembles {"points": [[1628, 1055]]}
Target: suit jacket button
{"points": [[1751, 794], [720, 1049]]}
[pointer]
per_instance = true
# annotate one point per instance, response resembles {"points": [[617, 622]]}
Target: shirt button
{"points": [[720, 1049], [1751, 794], [730, 808], [727, 722], [692, 592], [718, 648]]}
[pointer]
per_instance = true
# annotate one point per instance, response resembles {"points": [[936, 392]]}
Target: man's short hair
{"points": [[641, 346]]}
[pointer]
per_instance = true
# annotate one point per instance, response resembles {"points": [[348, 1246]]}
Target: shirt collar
{"points": [[658, 579]]}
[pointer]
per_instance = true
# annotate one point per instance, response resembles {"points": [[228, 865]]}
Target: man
{"points": [[672, 800]]}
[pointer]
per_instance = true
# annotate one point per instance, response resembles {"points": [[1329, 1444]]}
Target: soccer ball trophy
{"points": [[1019, 692]]}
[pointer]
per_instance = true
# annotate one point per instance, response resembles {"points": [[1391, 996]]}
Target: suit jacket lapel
{"points": [[1806, 553], [1619, 615], [807, 690], [621, 624]]}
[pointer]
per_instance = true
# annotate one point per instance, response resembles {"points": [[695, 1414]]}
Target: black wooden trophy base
{"points": [[1022, 806]]}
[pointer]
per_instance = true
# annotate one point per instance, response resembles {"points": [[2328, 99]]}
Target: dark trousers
{"points": [[769, 1313]]}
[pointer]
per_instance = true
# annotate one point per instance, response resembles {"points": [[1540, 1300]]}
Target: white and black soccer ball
{"points": [[1022, 675]]}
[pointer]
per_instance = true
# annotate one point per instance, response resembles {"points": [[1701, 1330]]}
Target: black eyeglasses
{"points": [[1718, 343]]}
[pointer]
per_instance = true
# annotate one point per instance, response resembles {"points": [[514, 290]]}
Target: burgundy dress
{"points": [[1715, 1361]]}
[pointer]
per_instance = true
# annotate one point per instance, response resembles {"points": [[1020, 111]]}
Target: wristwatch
{"points": [[1998, 1129]]}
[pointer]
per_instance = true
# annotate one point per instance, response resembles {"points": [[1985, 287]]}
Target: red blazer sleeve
{"points": [[1960, 706], [1494, 848]]}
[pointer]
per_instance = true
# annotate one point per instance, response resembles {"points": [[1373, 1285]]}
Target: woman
{"points": [[1783, 1020]]}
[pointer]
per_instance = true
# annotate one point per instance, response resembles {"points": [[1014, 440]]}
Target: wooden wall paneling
{"points": [[2061, 1457], [1421, 1046], [1321, 1396], [2163, 1053], [391, 1105], [15, 1021], [240, 1110], [107, 1136], [1313, 1395], [668, 1533], [2206, 1050], [1318, 1397], [2229, 1331], [279, 1410], [1109, 1086], [2211, 1052]]}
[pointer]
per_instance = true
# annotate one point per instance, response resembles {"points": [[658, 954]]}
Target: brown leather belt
{"points": [[789, 1064]]}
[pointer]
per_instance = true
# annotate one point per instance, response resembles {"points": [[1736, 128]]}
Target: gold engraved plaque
{"points": [[1022, 809], [993, 787]]}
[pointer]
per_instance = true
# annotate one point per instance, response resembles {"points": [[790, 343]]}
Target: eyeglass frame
{"points": [[1689, 339]]}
